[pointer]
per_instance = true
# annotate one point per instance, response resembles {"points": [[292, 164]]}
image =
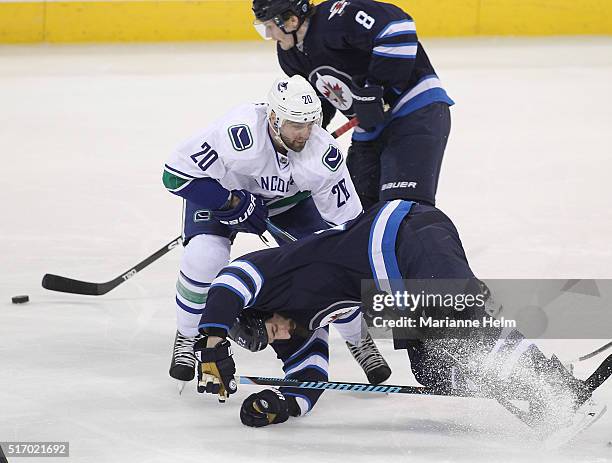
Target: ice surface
{"points": [[84, 132]]}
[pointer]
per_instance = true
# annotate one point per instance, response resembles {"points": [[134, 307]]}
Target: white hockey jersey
{"points": [[238, 152]]}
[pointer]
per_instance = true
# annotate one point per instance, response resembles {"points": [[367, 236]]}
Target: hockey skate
{"points": [[370, 360], [182, 367]]}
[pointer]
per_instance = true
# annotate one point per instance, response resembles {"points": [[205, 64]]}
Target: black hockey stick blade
{"points": [[69, 285], [600, 375]]}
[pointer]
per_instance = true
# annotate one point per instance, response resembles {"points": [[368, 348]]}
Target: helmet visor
{"points": [[263, 28]]}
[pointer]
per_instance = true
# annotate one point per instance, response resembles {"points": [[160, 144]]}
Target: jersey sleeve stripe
{"points": [[235, 285], [428, 83], [214, 325], [178, 172], [252, 272], [303, 401], [174, 183], [400, 50], [321, 334], [403, 26], [315, 361], [381, 246], [317, 346]]}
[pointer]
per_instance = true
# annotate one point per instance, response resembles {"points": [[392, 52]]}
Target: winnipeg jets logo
{"points": [[337, 8], [332, 86], [332, 317], [333, 312], [333, 92], [282, 86]]}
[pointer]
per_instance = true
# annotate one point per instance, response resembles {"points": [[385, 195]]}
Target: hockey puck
{"points": [[20, 299]]}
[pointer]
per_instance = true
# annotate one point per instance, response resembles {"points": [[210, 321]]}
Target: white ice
{"points": [[84, 132]]}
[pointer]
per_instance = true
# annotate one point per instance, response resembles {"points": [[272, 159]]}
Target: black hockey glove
{"points": [[368, 105], [248, 216], [269, 406], [216, 368]]}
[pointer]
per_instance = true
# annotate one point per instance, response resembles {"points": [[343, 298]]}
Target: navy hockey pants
{"points": [[404, 162]]}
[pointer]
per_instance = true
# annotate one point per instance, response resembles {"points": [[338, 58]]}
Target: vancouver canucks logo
{"points": [[241, 137], [203, 215], [333, 85], [332, 158], [282, 86]]}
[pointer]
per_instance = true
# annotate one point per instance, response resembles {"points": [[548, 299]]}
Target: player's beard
{"points": [[296, 146]]}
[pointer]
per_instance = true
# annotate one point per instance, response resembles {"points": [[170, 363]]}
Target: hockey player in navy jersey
{"points": [[287, 297], [365, 60]]}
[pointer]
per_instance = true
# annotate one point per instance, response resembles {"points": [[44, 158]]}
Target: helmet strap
{"points": [[281, 25], [276, 130]]}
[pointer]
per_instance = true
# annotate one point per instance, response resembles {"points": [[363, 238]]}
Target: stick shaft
{"points": [[282, 234], [595, 352], [345, 386], [345, 127]]}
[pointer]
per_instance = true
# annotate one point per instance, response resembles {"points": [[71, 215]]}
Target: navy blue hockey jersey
{"points": [[317, 280], [364, 38]]}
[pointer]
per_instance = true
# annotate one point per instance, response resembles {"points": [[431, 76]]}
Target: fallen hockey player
{"points": [[287, 296]]}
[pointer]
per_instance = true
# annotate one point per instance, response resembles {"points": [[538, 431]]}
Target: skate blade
{"points": [[581, 422], [180, 385]]}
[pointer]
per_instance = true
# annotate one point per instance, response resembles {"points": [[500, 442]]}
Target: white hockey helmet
{"points": [[293, 99]]}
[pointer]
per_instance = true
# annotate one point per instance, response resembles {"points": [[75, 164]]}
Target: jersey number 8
{"points": [[366, 21]]}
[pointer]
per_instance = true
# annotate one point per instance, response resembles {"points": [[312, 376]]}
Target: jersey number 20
{"points": [[208, 157], [341, 192]]}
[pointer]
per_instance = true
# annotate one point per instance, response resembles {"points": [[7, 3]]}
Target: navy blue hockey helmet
{"points": [[281, 10], [249, 330]]}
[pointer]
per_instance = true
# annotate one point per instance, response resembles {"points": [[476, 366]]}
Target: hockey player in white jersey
{"points": [[259, 160]]}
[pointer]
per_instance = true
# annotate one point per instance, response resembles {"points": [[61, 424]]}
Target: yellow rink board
{"points": [[147, 21]]}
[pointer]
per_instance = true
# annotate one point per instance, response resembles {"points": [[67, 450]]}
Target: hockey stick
{"points": [[282, 234], [347, 387], [345, 127], [68, 285]]}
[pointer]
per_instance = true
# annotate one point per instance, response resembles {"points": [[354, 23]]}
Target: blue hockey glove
{"points": [[216, 368], [368, 105], [269, 406], [249, 215]]}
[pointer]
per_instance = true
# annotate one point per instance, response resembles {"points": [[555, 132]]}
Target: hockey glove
{"points": [[249, 215], [216, 368], [368, 105], [269, 406]]}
